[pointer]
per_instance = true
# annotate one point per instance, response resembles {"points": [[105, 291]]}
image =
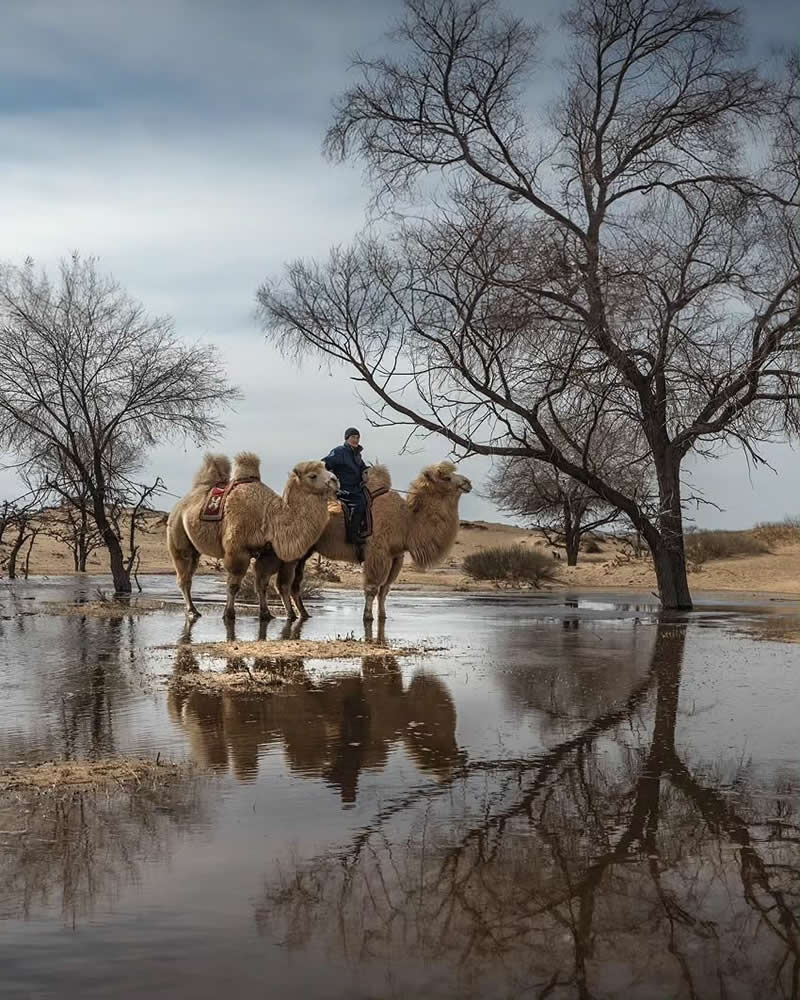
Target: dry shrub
{"points": [[591, 546], [703, 546], [510, 563], [783, 532]]}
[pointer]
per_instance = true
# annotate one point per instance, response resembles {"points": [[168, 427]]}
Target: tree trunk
{"points": [[82, 552], [572, 533], [12, 556], [120, 574], [27, 569], [667, 545], [573, 542]]}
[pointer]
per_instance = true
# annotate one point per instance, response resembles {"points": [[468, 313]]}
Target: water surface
{"points": [[576, 797]]}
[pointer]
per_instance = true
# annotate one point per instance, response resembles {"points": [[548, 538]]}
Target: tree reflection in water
{"points": [[603, 867], [334, 727], [73, 851]]}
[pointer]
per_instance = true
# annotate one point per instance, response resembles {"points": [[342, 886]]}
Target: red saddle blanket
{"points": [[214, 507]]}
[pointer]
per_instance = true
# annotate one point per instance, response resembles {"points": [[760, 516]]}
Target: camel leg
{"points": [[265, 567], [286, 575], [383, 592], [377, 567], [185, 558], [298, 571], [236, 566]]}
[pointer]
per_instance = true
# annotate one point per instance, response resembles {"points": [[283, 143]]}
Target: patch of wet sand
{"points": [[102, 609]]}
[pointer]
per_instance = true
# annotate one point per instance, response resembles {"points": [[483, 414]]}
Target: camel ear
{"points": [[429, 475]]}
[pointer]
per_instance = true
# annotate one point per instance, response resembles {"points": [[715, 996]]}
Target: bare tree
{"points": [[563, 509], [24, 516], [89, 377], [130, 514], [629, 257]]}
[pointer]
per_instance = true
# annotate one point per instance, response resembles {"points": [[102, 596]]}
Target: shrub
{"points": [[591, 546], [704, 545], [511, 563], [779, 532]]}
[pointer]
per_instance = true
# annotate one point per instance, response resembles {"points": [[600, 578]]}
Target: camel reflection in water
{"points": [[334, 727]]}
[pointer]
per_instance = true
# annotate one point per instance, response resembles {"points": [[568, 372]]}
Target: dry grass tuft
{"points": [[702, 546], [786, 532], [313, 649], [55, 776]]}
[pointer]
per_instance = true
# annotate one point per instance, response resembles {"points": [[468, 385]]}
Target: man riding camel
{"points": [[346, 463]]}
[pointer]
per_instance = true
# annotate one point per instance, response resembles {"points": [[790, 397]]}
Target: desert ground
{"points": [[776, 571]]}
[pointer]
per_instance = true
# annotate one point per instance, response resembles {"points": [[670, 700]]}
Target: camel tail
{"points": [[246, 465], [215, 469]]}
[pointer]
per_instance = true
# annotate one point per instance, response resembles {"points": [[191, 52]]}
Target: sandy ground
{"points": [[775, 572]]}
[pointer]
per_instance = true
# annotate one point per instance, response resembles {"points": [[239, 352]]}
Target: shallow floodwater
{"points": [[573, 797]]}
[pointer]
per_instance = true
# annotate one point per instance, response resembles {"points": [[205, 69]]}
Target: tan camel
{"points": [[425, 525], [255, 518]]}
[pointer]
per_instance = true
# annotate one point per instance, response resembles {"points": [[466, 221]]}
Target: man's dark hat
{"points": [[350, 431]]}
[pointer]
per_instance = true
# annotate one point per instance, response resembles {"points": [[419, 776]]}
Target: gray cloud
{"points": [[180, 142]]}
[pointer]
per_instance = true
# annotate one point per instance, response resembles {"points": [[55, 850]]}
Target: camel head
{"points": [[443, 478], [313, 477]]}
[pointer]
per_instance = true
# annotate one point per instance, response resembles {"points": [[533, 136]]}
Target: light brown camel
{"points": [[255, 518], [425, 524]]}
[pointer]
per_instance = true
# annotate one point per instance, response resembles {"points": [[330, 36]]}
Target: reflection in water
{"points": [[79, 696], [575, 671], [601, 867], [333, 727], [72, 852]]}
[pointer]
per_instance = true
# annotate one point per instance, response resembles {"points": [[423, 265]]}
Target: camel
{"points": [[255, 519], [425, 525]]}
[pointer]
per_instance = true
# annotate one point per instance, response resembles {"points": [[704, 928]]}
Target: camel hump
{"points": [[215, 469], [378, 478], [246, 465]]}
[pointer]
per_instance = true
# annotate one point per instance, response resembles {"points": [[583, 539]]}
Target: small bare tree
{"points": [[631, 256], [24, 516], [563, 509], [130, 514], [89, 378]]}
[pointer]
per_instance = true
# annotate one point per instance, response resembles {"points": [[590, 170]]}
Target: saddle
{"points": [[347, 511], [214, 507]]}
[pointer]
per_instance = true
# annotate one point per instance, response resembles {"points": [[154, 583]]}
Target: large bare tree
{"points": [[628, 256], [89, 381]]}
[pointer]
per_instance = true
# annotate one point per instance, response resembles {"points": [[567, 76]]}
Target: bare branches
{"points": [[89, 381], [638, 270]]}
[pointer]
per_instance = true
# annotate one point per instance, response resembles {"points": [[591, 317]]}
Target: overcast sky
{"points": [[179, 141]]}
